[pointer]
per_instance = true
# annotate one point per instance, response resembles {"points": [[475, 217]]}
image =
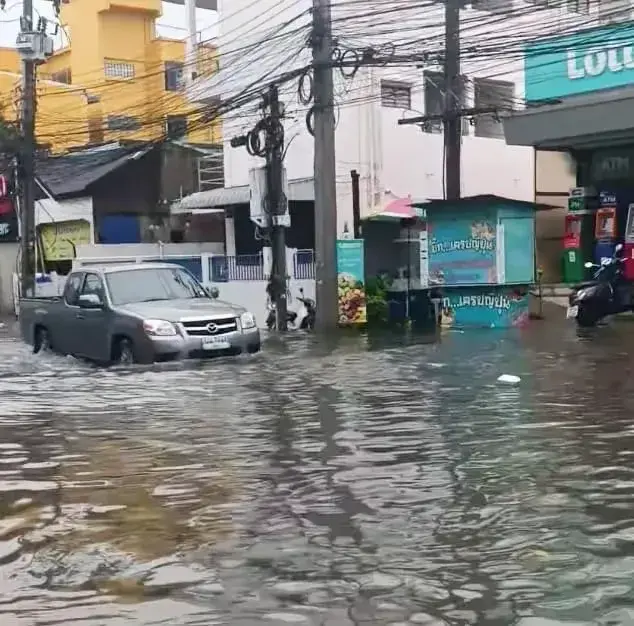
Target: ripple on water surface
{"points": [[329, 485]]}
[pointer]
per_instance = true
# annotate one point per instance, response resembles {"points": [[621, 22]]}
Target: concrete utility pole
{"points": [[453, 112], [27, 153], [191, 44], [452, 123], [325, 175], [277, 205]]}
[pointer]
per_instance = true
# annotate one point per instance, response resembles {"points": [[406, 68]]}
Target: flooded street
{"points": [[324, 485]]}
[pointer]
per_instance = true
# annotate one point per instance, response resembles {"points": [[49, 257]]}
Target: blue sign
{"points": [[463, 251], [590, 60], [351, 281], [498, 308]]}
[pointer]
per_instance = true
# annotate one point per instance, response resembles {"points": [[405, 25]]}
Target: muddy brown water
{"points": [[383, 482]]}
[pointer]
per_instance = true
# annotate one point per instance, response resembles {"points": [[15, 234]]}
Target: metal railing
{"points": [[242, 267], [223, 269], [304, 264]]}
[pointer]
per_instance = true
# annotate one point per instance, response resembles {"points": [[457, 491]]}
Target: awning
{"points": [[395, 208], [580, 122], [302, 190]]}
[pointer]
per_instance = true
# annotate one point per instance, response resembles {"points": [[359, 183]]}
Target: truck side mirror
{"points": [[90, 301], [213, 292]]}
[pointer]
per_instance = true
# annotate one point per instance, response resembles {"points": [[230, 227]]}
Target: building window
{"points": [[62, 76], [614, 11], [173, 76], [118, 69], [496, 95], [176, 126], [395, 95], [435, 100], [123, 123]]}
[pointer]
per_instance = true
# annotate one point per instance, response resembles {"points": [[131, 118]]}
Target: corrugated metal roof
{"points": [[298, 191], [73, 173]]}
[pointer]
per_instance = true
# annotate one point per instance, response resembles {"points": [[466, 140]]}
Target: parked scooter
{"points": [[302, 319], [607, 294]]}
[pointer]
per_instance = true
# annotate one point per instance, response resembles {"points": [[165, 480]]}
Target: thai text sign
{"points": [[498, 308], [463, 252], [59, 240]]}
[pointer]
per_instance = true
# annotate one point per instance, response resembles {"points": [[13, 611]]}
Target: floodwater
{"points": [[327, 485]]}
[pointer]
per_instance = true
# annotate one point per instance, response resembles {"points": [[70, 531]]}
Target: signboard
{"points": [[463, 251], [60, 239], [497, 308], [423, 258], [572, 234], [586, 61], [351, 281], [9, 227], [605, 224]]}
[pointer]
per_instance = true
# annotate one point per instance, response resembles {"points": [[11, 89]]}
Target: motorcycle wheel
{"points": [[587, 318]]}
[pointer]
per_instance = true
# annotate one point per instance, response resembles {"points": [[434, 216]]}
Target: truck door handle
{"points": [[80, 316]]}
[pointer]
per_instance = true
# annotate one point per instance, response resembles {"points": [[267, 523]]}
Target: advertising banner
{"points": [[59, 240], [351, 281], [463, 252], [497, 308]]}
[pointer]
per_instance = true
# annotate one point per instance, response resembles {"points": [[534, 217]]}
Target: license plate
{"points": [[215, 343], [572, 311]]}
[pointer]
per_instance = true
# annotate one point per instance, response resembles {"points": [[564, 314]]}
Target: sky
{"points": [[171, 23]]}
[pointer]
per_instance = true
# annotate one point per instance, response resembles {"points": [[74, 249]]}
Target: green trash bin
{"points": [[574, 270]]}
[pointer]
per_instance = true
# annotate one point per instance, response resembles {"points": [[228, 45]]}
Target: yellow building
{"points": [[116, 81]]}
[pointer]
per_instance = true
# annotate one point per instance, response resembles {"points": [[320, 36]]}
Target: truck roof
{"points": [[124, 267]]}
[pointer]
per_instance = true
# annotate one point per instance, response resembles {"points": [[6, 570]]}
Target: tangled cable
{"points": [[266, 136]]}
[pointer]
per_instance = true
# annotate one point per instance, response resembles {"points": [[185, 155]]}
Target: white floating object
{"points": [[509, 379]]}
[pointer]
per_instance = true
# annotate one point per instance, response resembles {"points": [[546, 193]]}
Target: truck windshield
{"points": [[152, 284]]}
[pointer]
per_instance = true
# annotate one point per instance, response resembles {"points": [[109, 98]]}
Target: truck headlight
{"points": [[247, 320], [159, 328]]}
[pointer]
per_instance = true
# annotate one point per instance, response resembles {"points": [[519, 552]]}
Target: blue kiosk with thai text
{"points": [[482, 250]]}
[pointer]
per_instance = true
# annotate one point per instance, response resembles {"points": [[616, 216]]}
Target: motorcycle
{"points": [[302, 319], [607, 294]]}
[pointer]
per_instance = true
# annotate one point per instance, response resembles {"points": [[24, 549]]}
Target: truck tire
{"points": [[42, 340], [123, 352]]}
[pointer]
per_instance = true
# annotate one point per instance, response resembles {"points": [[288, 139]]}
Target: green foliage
{"points": [[376, 298]]}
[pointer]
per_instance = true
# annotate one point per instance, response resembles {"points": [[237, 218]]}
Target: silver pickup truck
{"points": [[137, 313]]}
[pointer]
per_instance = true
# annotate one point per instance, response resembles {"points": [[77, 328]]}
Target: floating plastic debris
{"points": [[509, 379]]}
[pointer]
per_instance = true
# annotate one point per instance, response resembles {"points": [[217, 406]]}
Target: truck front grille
{"points": [[202, 328]]}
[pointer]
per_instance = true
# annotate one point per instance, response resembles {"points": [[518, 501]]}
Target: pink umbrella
{"points": [[395, 208]]}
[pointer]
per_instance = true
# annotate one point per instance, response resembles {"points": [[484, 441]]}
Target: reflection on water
{"points": [[324, 484]]}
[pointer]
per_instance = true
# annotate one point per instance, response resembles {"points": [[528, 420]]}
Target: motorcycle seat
{"points": [[586, 283]]}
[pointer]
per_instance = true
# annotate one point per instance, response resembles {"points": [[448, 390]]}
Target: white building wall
{"points": [[388, 157]]}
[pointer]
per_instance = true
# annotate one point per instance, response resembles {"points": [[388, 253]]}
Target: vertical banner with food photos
{"points": [[351, 281]]}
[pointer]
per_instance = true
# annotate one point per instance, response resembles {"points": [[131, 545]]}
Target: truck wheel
{"points": [[123, 353], [42, 341]]}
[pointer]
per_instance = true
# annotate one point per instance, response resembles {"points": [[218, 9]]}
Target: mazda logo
{"points": [[211, 328]]}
